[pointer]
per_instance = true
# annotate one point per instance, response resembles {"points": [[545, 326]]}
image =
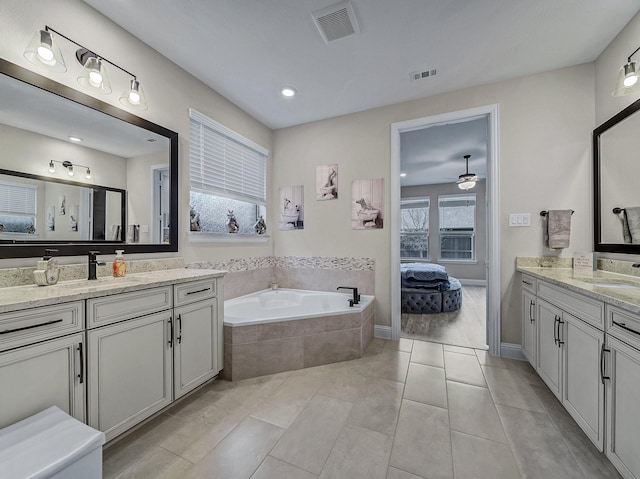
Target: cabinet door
{"points": [[549, 351], [583, 391], [623, 400], [33, 378], [130, 374], [529, 327], [196, 351]]}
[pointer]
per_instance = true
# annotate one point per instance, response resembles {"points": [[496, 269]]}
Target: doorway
{"points": [[490, 249]]}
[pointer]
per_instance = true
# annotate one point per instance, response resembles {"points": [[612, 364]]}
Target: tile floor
{"points": [[465, 327], [407, 410]]}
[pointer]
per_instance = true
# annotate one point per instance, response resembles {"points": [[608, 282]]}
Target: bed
{"points": [[427, 288]]}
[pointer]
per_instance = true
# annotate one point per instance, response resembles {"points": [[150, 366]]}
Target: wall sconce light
{"points": [[628, 77], [467, 180], [69, 166], [43, 51]]}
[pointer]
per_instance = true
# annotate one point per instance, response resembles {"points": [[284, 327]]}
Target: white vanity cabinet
{"points": [[529, 322], [129, 358], [42, 362], [197, 354], [621, 375], [569, 346]]}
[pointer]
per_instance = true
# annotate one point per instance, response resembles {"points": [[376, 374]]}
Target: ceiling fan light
{"points": [[43, 51], [467, 180]]}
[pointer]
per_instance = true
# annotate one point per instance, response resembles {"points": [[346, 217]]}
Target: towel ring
{"points": [[617, 211], [545, 213]]}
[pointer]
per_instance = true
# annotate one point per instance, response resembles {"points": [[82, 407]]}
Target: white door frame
{"points": [[493, 215]]}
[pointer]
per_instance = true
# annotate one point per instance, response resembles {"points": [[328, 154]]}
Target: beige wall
{"points": [[545, 126], [170, 92]]}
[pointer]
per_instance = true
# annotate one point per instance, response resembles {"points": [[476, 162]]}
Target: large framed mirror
{"points": [[616, 192], [123, 191]]}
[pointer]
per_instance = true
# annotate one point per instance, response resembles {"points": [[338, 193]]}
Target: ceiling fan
{"points": [[467, 180]]}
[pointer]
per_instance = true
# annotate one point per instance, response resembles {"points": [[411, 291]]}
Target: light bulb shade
{"points": [[466, 184], [52, 167], [88, 174], [43, 51], [134, 97], [93, 74], [627, 81]]}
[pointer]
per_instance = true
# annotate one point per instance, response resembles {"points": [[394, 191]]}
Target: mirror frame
{"points": [[597, 169], [76, 248]]}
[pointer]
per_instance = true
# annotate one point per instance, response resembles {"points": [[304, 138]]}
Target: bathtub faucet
{"points": [[356, 296]]}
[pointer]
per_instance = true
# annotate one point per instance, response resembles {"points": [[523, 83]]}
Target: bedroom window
{"points": [[414, 228], [227, 173], [457, 227]]}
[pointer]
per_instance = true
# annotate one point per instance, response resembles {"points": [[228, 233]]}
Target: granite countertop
{"points": [[627, 297], [31, 296]]}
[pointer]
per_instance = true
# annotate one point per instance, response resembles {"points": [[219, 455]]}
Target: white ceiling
{"points": [[435, 154], [248, 49]]}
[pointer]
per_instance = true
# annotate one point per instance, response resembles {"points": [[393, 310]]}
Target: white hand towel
{"points": [[559, 228]]}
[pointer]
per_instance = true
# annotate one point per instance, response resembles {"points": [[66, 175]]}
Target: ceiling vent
{"points": [[422, 75], [336, 21]]}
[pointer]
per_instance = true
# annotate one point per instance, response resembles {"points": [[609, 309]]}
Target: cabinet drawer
{"points": [[529, 283], [585, 308], [624, 325], [28, 326], [186, 293], [118, 307]]}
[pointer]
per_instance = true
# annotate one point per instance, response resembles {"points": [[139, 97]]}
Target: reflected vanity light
{"points": [[43, 51], [628, 74], [69, 166]]}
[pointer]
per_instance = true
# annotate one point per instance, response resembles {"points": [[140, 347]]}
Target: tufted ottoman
{"points": [[431, 301]]}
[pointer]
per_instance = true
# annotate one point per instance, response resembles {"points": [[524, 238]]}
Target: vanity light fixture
{"points": [[44, 51], [69, 166], [467, 180], [75, 139], [628, 77]]}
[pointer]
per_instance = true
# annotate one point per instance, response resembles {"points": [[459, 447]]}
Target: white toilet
{"points": [[51, 444]]}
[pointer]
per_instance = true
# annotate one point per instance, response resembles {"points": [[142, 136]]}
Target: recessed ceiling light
{"points": [[288, 91], [75, 138], [402, 175]]}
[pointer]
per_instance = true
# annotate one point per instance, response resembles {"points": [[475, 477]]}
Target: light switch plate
{"points": [[519, 219]]}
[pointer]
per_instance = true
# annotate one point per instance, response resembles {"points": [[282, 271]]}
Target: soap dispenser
{"points": [[47, 271], [119, 264]]}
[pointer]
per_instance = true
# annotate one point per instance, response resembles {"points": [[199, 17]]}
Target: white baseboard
{"points": [[511, 351], [383, 332], [472, 282]]}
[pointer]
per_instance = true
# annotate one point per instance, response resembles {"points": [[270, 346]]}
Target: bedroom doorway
{"points": [[444, 237]]}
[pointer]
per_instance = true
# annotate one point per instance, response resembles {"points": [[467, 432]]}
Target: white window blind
{"points": [[225, 163], [17, 200]]}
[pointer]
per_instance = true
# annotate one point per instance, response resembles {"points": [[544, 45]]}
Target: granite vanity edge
{"points": [[31, 296], [632, 305]]}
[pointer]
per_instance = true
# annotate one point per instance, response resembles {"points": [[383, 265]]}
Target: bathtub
{"points": [[276, 305], [273, 331]]}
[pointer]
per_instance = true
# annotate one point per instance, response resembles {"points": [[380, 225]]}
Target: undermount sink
{"points": [[610, 283]]}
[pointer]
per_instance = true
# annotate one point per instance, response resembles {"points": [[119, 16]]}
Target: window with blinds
{"points": [[457, 218], [18, 208], [227, 174]]}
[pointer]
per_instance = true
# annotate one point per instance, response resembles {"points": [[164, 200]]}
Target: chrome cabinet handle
{"points": [[199, 291], [8, 331], [81, 375], [602, 364], [170, 332], [555, 329], [531, 318], [626, 328], [560, 323], [179, 338]]}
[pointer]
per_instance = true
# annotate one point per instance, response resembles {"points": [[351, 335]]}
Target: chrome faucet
{"points": [[93, 262], [356, 296]]}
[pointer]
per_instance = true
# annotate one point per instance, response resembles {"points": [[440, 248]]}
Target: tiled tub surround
{"points": [[278, 346], [248, 275]]}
